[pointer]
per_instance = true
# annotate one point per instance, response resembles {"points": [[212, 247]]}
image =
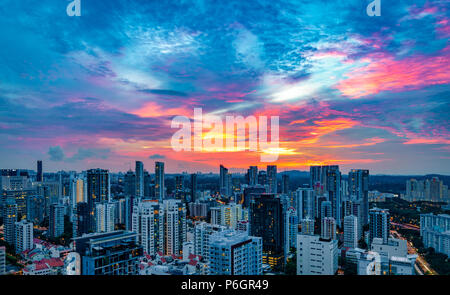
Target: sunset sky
{"points": [[101, 90]]}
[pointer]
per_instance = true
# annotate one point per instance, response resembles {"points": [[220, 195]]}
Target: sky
{"points": [[101, 89]]}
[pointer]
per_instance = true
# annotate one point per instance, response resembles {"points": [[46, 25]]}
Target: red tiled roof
{"points": [[40, 266], [163, 260], [193, 262]]}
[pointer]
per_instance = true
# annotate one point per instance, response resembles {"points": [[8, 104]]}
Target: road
{"points": [[421, 264], [407, 226]]}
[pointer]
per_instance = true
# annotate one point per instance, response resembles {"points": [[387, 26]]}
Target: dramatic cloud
{"points": [[101, 90]]}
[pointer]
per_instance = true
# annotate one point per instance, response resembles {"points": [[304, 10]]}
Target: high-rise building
{"points": [[113, 253], [316, 256], [285, 184], [379, 224], [227, 215], [105, 217], [307, 226], [147, 186], [98, 190], [329, 179], [235, 253], [56, 220], [149, 226], [293, 227], [325, 210], [78, 191], [81, 221], [139, 179], [354, 207], [129, 188], [198, 209], [202, 234], [24, 236], [305, 203], [77, 195], [223, 180], [262, 178], [39, 175], [2, 260], [14, 179], [328, 228], [173, 216], [272, 178], [252, 174], [193, 187], [358, 185], [333, 187], [435, 232], [9, 221], [35, 208], [268, 220], [159, 181], [351, 231]]}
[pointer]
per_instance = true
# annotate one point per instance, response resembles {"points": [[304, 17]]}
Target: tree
{"points": [[362, 244], [291, 266]]}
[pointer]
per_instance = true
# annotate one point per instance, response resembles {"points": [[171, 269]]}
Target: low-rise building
{"points": [[316, 256]]}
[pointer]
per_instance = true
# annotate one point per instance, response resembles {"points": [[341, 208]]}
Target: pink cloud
{"points": [[388, 74]]}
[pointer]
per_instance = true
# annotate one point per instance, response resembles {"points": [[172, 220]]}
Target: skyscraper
{"points": [[305, 203], [358, 186], [379, 224], [285, 184], [81, 221], [328, 228], [333, 187], [252, 173], [105, 217], [2, 260], [193, 187], [98, 190], [24, 236], [147, 223], [173, 216], [39, 175], [139, 179], [307, 226], [147, 185], [268, 220], [329, 178], [35, 208], [56, 220], [224, 181], [325, 210], [227, 215], [272, 178], [9, 221], [129, 184], [351, 231], [159, 181]]}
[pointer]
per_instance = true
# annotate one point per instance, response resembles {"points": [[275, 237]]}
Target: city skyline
{"points": [[100, 90]]}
